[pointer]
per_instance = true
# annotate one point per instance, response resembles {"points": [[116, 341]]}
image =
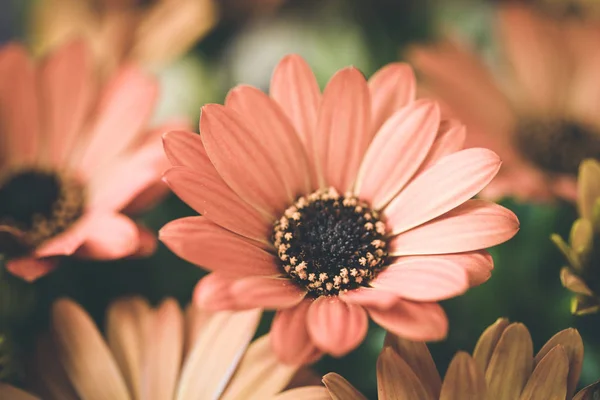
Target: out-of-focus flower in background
{"points": [[502, 367], [148, 32], [158, 353], [582, 275], [335, 206], [537, 110], [74, 155]]}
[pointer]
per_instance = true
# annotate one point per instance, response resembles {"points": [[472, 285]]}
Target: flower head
{"points": [[582, 274], [158, 353], [120, 31], [331, 207], [539, 114], [71, 160], [502, 364]]}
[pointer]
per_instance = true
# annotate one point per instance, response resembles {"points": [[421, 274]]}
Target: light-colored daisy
{"points": [[158, 353], [502, 367], [147, 32], [582, 251], [335, 206], [73, 156], [538, 111]]}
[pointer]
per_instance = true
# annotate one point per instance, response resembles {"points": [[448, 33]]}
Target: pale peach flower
{"points": [[537, 109], [332, 207], [148, 32], [73, 156], [158, 353], [502, 367]]}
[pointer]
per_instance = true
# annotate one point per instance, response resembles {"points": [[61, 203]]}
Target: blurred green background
{"points": [[330, 34]]}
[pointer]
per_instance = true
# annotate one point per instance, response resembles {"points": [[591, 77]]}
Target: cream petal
{"points": [[10, 392], [413, 321], [418, 358], [549, 378], [511, 363], [588, 187], [588, 392], [571, 342], [196, 319], [276, 133], [185, 149], [423, 279], [111, 236], [396, 380], [243, 161], [343, 128], [19, 119], [126, 327], [260, 374], [447, 184], [396, 152], [215, 355], [304, 393], [464, 380], [289, 336], [336, 327], [205, 191], [85, 355], [295, 88], [266, 292], [213, 292], [66, 89], [48, 376], [368, 297], [474, 225], [163, 352], [574, 283], [487, 343], [123, 111], [392, 87], [201, 242], [340, 389]]}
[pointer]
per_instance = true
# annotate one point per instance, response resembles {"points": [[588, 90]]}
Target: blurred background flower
{"points": [[241, 43]]}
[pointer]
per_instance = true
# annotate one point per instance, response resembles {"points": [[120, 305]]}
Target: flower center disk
{"points": [[329, 243], [557, 146], [36, 205]]}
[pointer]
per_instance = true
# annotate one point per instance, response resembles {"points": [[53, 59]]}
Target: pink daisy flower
{"points": [[333, 207], [72, 157]]}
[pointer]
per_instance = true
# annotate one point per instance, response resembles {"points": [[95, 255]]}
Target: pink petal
{"points": [[369, 297], [31, 269], [70, 240], [397, 152], [413, 321], [205, 192], [476, 224], [276, 133], [449, 183], [295, 88], [478, 265], [213, 292], [185, 149], [201, 242], [124, 109], [111, 236], [450, 139], [289, 336], [19, 120], [147, 242], [343, 128], [115, 186], [66, 85], [392, 87], [243, 162], [336, 327], [423, 279], [266, 292]]}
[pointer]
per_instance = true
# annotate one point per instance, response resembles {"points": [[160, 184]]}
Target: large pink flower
{"points": [[332, 207], [72, 157], [538, 109]]}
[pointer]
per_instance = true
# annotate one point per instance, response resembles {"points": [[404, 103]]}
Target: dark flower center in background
{"points": [[557, 146], [329, 243], [36, 205]]}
